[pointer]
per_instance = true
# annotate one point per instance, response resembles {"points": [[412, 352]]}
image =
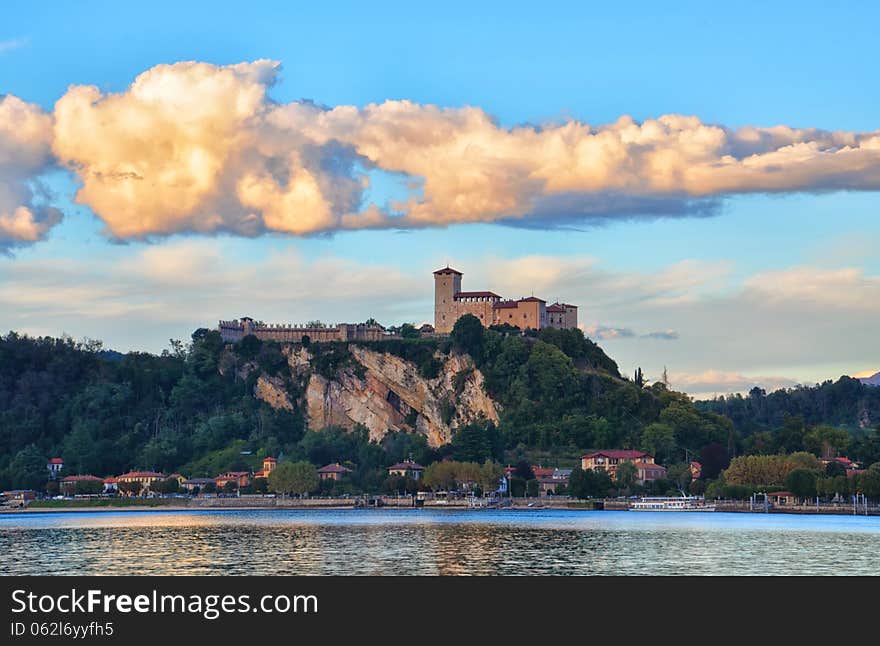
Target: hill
{"points": [[205, 407], [873, 380]]}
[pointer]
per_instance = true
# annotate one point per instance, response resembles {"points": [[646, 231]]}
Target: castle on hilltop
{"points": [[450, 303]]}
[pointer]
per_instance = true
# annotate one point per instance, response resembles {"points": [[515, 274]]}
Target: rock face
{"points": [[271, 390], [386, 393]]}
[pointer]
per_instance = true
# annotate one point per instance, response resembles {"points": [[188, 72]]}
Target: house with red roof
{"points": [[111, 485], [240, 478], [406, 469], [55, 465], [608, 460], [269, 465], [127, 481], [333, 471]]}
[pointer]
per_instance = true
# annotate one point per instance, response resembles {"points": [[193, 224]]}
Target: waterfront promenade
{"points": [[407, 502]]}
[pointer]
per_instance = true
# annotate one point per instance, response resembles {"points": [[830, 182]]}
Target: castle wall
{"points": [[233, 331]]}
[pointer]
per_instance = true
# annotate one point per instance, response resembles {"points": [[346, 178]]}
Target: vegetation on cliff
{"points": [[192, 409]]}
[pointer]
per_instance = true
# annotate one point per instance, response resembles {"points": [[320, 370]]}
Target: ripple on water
{"points": [[428, 542]]}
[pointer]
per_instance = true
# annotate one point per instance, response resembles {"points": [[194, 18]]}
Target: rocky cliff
{"points": [[382, 392]]}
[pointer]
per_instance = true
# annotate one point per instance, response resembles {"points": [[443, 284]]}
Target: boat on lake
{"points": [[672, 503]]}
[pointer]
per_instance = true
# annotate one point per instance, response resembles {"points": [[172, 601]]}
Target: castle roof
{"points": [[555, 308], [448, 270], [499, 305], [476, 295], [532, 299]]}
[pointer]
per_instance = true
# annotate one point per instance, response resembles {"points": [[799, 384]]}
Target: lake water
{"points": [[428, 542]]}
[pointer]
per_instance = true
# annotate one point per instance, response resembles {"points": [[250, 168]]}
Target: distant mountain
{"points": [[871, 381]]}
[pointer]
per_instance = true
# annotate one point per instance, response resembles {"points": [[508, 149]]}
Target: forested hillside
{"points": [[195, 409]]}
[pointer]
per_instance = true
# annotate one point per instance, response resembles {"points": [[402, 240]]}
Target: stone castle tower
{"points": [[447, 283]]}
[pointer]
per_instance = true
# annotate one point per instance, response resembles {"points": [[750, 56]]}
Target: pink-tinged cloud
{"points": [[710, 383], [200, 147], [25, 152]]}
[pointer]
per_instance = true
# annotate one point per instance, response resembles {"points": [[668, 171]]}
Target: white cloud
{"points": [[605, 333], [199, 147], [25, 138]]}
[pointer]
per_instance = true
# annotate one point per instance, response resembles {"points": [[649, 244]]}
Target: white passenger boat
{"points": [[672, 503]]}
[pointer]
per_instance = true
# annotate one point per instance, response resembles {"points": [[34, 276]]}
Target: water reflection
{"points": [[436, 542]]}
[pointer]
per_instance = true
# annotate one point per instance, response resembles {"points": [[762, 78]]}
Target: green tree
{"points": [[477, 442], [869, 481], [639, 378], [801, 482], [409, 331], [826, 441], [680, 475], [88, 487], [517, 487], [230, 486], [249, 347], [588, 484], [28, 469], [659, 440], [294, 478], [533, 488], [468, 335], [625, 475]]}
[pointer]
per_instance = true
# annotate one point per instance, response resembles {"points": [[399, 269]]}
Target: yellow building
{"points": [[144, 478]]}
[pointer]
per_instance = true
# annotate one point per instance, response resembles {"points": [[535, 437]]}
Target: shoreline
{"points": [[332, 507]]}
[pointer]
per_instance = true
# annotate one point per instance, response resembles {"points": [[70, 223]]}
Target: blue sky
{"points": [[803, 64]]}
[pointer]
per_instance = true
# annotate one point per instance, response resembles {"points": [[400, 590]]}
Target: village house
{"points": [[269, 465], [55, 466], [240, 478], [551, 481], [196, 484], [406, 469], [851, 468], [608, 460], [111, 485], [19, 497], [144, 478], [648, 471], [333, 471]]}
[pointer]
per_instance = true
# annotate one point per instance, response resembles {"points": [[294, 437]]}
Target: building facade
{"points": [[609, 460], [451, 303], [406, 469], [333, 472]]}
